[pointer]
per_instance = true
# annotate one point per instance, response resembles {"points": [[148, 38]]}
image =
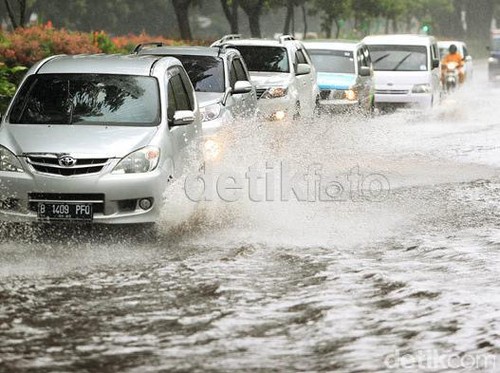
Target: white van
{"points": [[407, 70]]}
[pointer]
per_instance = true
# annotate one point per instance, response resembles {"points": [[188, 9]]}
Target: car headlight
{"points": [[275, 92], [421, 88], [350, 95], [9, 162], [210, 112], [493, 60], [140, 161]]}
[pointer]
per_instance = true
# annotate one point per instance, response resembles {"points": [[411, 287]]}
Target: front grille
{"points": [[391, 92], [260, 92], [49, 164], [97, 199], [334, 94]]}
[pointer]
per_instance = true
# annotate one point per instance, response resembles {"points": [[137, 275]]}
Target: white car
{"points": [[282, 72], [407, 70], [96, 139], [462, 49]]}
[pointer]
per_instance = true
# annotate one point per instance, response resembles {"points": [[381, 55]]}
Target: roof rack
{"points": [[226, 38], [141, 46], [284, 38]]}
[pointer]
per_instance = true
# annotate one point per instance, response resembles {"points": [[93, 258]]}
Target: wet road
{"points": [[406, 280]]}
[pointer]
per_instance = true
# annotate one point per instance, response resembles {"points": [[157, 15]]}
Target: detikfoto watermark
{"points": [[279, 182]]}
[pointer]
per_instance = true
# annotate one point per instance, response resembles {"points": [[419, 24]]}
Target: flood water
{"points": [[398, 274]]}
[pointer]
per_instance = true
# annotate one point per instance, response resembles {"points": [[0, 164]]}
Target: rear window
{"points": [[99, 99], [329, 61], [399, 57], [268, 59], [205, 72]]}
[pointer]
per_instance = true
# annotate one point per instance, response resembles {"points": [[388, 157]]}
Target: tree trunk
{"points": [[394, 26], [387, 25], [231, 13], [479, 16], [253, 10], [181, 8], [288, 17], [337, 25], [254, 20], [304, 17], [12, 16]]}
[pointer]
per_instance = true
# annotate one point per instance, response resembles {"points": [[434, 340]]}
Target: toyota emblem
{"points": [[67, 161]]}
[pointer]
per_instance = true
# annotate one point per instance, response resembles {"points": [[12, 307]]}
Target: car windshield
{"points": [[206, 73], [330, 61], [87, 99], [399, 57], [269, 59]]}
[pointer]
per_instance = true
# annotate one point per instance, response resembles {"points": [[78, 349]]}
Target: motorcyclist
{"points": [[453, 56]]}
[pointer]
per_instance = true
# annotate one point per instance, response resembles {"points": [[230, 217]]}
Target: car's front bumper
{"points": [[277, 108], [415, 100], [20, 194]]}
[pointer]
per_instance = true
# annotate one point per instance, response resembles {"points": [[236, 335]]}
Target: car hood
{"points": [[400, 79], [208, 98], [267, 79], [92, 141], [335, 80]]}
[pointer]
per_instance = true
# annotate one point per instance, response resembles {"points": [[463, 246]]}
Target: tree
{"points": [[19, 19], [330, 12], [253, 10], [479, 14], [230, 8], [181, 8]]}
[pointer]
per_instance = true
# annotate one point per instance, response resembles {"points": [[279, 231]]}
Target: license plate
{"points": [[65, 211]]}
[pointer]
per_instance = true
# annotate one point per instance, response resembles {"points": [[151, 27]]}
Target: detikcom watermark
{"points": [[435, 360]]}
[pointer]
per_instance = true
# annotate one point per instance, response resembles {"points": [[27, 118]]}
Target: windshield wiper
{"points": [[381, 58], [402, 61]]}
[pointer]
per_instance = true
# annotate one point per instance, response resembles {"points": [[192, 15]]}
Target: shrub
{"points": [[26, 46]]}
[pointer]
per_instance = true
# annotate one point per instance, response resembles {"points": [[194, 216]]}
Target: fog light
{"points": [[279, 115], [212, 150], [145, 203]]}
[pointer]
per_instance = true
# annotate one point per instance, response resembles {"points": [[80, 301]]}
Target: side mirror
{"points": [[488, 48], [242, 86], [364, 71], [468, 58], [435, 63], [183, 117], [303, 69]]}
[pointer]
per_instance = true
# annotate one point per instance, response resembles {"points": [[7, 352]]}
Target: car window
{"points": [[367, 56], [100, 99], [333, 61], [269, 59], [299, 55], [205, 72], [232, 75], [182, 101], [399, 57], [466, 52], [361, 59], [239, 69]]}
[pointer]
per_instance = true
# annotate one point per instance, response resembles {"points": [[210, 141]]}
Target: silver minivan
{"points": [[220, 79], [95, 138]]}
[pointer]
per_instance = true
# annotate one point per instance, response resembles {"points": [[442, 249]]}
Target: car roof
{"points": [[343, 45], [400, 39], [186, 51], [258, 42], [101, 64]]}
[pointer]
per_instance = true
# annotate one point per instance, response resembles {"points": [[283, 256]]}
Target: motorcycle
{"points": [[451, 76]]}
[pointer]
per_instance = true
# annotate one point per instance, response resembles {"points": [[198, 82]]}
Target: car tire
{"points": [[296, 113]]}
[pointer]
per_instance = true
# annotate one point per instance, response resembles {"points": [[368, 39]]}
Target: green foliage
{"points": [[9, 79]]}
